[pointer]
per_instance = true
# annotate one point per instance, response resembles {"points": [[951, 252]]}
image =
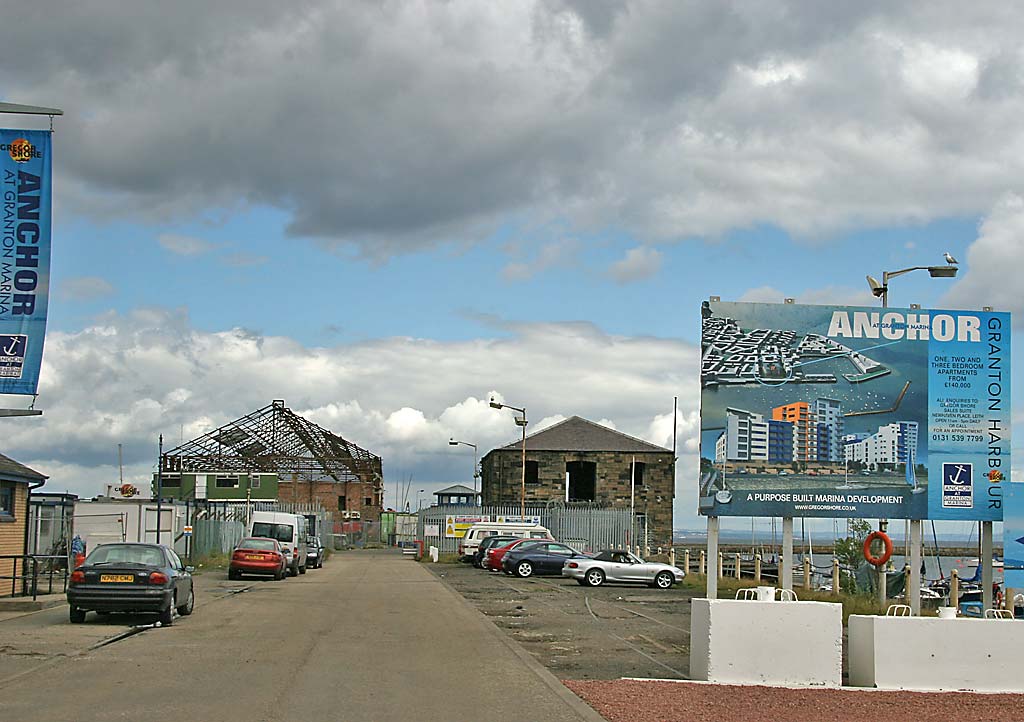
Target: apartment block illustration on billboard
{"points": [[894, 443], [805, 431], [801, 431]]}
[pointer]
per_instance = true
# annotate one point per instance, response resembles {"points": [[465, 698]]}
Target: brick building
{"points": [[300, 460], [16, 480], [579, 461]]}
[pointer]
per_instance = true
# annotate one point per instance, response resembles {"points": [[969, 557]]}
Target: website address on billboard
{"points": [[824, 507]]}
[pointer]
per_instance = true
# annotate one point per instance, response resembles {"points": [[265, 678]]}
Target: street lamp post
{"points": [[419, 500], [453, 442], [521, 422], [881, 290]]}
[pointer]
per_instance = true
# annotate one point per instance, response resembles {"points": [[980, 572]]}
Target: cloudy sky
{"points": [[384, 212]]}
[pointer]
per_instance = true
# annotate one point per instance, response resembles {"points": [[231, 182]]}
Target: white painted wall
{"points": [[105, 522], [927, 653], [749, 642]]}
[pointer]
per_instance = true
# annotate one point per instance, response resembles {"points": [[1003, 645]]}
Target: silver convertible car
{"points": [[619, 566]]}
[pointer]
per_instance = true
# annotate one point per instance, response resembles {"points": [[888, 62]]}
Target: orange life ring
{"points": [[877, 561]]}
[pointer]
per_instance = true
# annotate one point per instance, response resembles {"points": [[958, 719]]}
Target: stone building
{"points": [[579, 461]]}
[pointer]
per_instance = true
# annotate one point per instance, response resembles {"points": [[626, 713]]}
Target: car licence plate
{"points": [[253, 556], [117, 578]]}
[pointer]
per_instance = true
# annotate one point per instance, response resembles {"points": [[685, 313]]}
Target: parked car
{"points": [[314, 553], [258, 555], [131, 577], [289, 529], [542, 558], [490, 543], [481, 530], [619, 566], [495, 554]]}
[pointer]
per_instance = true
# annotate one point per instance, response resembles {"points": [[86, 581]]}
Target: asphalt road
{"points": [[371, 636]]}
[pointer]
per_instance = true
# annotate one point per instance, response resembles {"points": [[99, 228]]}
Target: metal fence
{"points": [[585, 527], [33, 574]]}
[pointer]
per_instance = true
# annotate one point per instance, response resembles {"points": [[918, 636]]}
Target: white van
{"points": [[484, 529], [289, 530]]}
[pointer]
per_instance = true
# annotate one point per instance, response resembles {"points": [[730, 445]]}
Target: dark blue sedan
{"points": [[541, 558], [147, 578]]}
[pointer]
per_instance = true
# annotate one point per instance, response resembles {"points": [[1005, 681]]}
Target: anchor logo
{"points": [[960, 469]]}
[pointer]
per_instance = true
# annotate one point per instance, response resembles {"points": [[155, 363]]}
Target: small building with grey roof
{"points": [[578, 461]]}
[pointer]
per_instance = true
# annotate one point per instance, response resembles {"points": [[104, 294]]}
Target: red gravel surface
{"points": [[634, 701]]}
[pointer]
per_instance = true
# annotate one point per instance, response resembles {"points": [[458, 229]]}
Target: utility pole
{"points": [[159, 487]]}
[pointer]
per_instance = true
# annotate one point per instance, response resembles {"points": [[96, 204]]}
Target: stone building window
{"points": [[341, 503], [582, 476], [532, 473], [636, 473], [367, 501]]}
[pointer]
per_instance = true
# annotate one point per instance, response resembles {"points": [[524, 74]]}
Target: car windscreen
{"points": [[127, 554], [494, 541], [261, 544], [281, 532]]}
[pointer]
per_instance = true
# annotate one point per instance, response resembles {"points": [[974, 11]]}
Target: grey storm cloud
{"points": [[390, 126]]}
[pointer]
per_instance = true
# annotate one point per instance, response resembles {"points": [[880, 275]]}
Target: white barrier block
{"points": [[932, 654], [751, 642]]}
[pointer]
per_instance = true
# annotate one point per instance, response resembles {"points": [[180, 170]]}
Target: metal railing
{"points": [[34, 568]]}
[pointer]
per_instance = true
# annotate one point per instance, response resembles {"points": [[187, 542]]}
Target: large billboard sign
{"points": [[837, 411], [25, 163]]}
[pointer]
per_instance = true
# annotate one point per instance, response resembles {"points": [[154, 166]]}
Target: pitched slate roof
{"points": [[579, 434], [13, 471]]}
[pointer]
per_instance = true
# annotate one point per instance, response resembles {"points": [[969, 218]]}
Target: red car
{"points": [[492, 561], [258, 555]]}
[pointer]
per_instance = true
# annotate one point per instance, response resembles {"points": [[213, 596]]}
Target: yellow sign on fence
{"points": [[455, 526]]}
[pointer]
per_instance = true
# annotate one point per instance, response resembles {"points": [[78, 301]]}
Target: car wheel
{"points": [[293, 571], [167, 615], [595, 577], [76, 615], [524, 569], [233, 575], [186, 608], [278, 575], [302, 570], [664, 580]]}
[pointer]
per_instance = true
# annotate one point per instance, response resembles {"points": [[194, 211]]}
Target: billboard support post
{"points": [[883, 577], [712, 577], [786, 573], [914, 578], [986, 564]]}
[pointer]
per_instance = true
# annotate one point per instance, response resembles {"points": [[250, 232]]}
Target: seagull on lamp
{"points": [[950, 260]]}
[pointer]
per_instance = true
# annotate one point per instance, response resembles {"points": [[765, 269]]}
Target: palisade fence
{"points": [[217, 527], [585, 527]]}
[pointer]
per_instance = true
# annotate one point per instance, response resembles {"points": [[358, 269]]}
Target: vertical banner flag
{"points": [[25, 168]]}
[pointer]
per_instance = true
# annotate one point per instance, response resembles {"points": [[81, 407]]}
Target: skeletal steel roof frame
{"points": [[275, 439]]}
